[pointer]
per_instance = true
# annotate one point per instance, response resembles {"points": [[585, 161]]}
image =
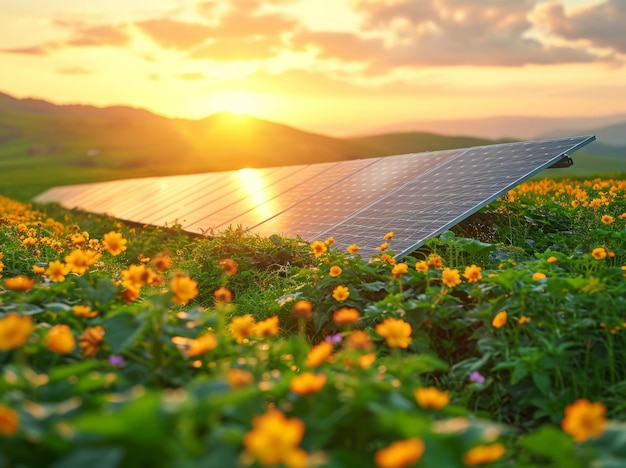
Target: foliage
{"points": [[127, 345]]}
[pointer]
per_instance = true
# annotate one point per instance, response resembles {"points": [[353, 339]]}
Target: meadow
{"points": [[500, 343]]}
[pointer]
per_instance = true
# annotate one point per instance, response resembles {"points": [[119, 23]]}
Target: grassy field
{"points": [[498, 344]]}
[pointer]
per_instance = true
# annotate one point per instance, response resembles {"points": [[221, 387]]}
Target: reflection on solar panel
{"points": [[418, 196]]}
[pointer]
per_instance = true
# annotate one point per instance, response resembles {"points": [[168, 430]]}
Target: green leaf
{"points": [[549, 442], [121, 331], [58, 307], [64, 372], [93, 457], [519, 372], [542, 381]]}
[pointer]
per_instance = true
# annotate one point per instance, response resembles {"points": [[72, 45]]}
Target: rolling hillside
{"points": [[44, 145]]}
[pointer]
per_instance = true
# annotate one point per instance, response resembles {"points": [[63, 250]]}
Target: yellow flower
{"points": [[318, 248], [606, 219], [161, 262], [422, 266], [366, 360], [450, 277], [399, 269], [353, 249], [114, 242], [137, 276], [483, 454], [598, 253], [523, 319], [241, 327], [346, 316], [307, 382], [383, 246], [341, 293], [14, 330], [389, 235], [329, 241], [584, 419], [38, 270], [237, 378], [335, 271], [435, 261], [319, 354], [397, 333], [539, 276], [183, 288], [223, 295], [267, 327], [552, 259], [359, 339], [229, 266], [90, 341], [500, 319], [60, 339], [400, 454], [56, 271], [79, 262], [9, 421], [431, 398], [273, 437], [19, 283], [386, 258], [303, 308], [472, 274], [84, 311]]}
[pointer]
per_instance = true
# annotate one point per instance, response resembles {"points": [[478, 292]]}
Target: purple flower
{"points": [[476, 377], [333, 339], [116, 360]]}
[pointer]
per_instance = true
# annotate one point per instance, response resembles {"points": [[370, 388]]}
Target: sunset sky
{"points": [[330, 66]]}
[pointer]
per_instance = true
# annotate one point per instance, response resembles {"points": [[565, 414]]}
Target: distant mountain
{"points": [[610, 139], [505, 127]]}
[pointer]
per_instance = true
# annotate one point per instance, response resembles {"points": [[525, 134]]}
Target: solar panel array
{"points": [[417, 195]]}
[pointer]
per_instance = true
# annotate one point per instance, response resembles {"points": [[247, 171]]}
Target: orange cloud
{"points": [[175, 34]]}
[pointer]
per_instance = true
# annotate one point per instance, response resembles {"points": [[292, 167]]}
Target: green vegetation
{"points": [[498, 344]]}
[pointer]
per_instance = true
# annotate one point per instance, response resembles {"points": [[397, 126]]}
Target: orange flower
{"points": [[38, 270], [359, 339], [303, 308], [90, 341], [237, 378], [335, 271], [389, 235], [431, 398], [330, 241], [606, 219], [346, 316], [138, 276], [307, 382], [584, 419], [434, 261], [318, 248], [223, 295], [161, 262], [9, 421], [552, 259], [229, 266], [84, 311], [201, 345], [341, 293], [523, 319], [183, 288], [400, 453], [450, 277], [19, 283], [273, 438], [599, 253], [60, 339], [267, 327], [114, 242], [422, 266], [242, 327], [79, 261], [397, 333], [399, 269], [319, 354], [472, 274], [500, 319], [366, 360], [14, 330], [353, 249], [383, 246], [386, 258], [56, 271], [539, 276], [483, 454]]}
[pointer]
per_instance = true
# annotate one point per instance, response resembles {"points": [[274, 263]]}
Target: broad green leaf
{"points": [[121, 331]]}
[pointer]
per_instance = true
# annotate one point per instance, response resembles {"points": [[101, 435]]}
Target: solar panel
{"points": [[418, 196]]}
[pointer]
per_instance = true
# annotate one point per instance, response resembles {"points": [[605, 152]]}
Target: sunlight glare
{"points": [[237, 102], [251, 182]]}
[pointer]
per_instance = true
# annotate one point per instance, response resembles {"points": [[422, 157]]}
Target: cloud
{"points": [[457, 32], [175, 34], [340, 45], [42, 49], [600, 25], [75, 71], [237, 49]]}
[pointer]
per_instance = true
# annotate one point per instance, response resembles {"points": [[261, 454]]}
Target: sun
{"points": [[237, 102]]}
